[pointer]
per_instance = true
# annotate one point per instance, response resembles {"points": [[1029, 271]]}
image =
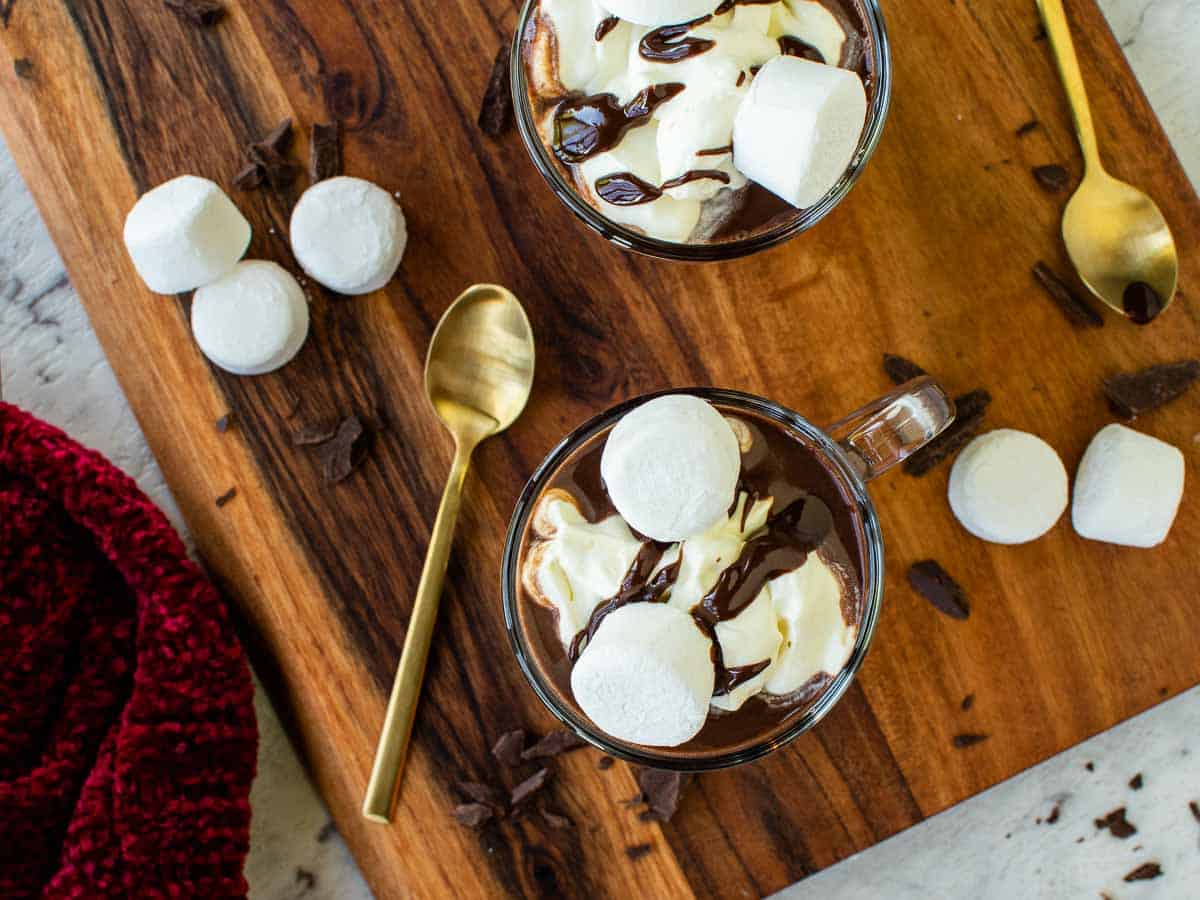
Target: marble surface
{"points": [[992, 846]]}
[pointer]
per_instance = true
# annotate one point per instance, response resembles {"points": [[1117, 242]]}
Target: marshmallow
{"points": [[252, 321], [798, 128], [1128, 488], [184, 234], [656, 13], [671, 467], [1008, 487], [646, 676], [349, 235]]}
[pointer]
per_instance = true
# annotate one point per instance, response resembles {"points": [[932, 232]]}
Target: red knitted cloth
{"points": [[127, 730]]}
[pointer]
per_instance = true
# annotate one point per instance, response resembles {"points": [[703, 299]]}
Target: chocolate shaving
{"points": [[268, 155], [1090, 766], [249, 177], [1145, 872], [1116, 823], [311, 435], [605, 763], [479, 793], [496, 111], [1054, 814], [967, 702], [962, 741], [1195, 808], [554, 820], [660, 791], [199, 12], [226, 497], [508, 748], [971, 409], [1053, 178], [1077, 310], [530, 786], [23, 68], [1031, 125], [325, 151], [637, 851], [1136, 782], [341, 455], [554, 744], [222, 424], [934, 583], [901, 370], [472, 815], [1133, 393]]}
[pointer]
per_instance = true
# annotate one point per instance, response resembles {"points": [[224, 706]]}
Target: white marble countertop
{"points": [[996, 845]]}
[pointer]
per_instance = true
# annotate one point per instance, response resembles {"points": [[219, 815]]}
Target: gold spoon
{"points": [[1116, 237], [478, 376]]}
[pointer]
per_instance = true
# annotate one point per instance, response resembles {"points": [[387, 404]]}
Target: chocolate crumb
{"points": [[1195, 808], [1090, 766], [1136, 782], [222, 424], [508, 748], [901, 370], [1145, 872], [496, 111], [660, 790], [306, 879], [328, 830], [199, 12], [554, 744], [1031, 125], [226, 497], [1054, 814], [1116, 823], [1132, 393], [637, 851], [934, 583], [479, 793], [1053, 178], [962, 741], [325, 151], [605, 763], [971, 408], [1079, 840], [23, 68], [268, 154], [311, 435], [554, 820], [472, 815], [249, 177], [1077, 310], [530, 786], [967, 702], [341, 455]]}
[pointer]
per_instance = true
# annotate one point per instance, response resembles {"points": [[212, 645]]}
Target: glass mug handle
{"points": [[891, 429]]}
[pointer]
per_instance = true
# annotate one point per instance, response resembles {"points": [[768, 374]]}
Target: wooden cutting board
{"points": [[929, 257]]}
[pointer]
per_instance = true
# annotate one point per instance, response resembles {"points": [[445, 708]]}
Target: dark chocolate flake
{"points": [[311, 435], [199, 12], [605, 763], [479, 793], [530, 786], [1053, 178], [1136, 782], [249, 177], [637, 851], [967, 702], [1090, 766], [23, 68], [269, 155], [342, 454], [962, 741], [508, 748], [1116, 823], [660, 790], [1077, 310], [496, 111], [1031, 125], [1145, 872], [222, 424], [1054, 814], [226, 497], [472, 815], [1133, 393], [971, 408], [325, 151], [1195, 808], [554, 744], [934, 583], [554, 820], [901, 370]]}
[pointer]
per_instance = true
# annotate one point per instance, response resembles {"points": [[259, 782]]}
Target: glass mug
{"points": [[853, 451], [880, 68]]}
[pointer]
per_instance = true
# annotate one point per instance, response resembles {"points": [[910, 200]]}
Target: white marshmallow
{"points": [[671, 467], [184, 234], [646, 676], [1008, 487], [799, 127], [656, 13], [349, 235], [1128, 488], [252, 321]]}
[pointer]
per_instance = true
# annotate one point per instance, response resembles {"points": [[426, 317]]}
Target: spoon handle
{"points": [[1059, 32], [390, 754]]}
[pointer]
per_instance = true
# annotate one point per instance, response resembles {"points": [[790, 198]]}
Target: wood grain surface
{"points": [[929, 257]]}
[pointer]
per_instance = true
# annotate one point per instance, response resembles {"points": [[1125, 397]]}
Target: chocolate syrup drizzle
{"points": [[606, 26], [627, 189], [585, 126], [789, 45]]}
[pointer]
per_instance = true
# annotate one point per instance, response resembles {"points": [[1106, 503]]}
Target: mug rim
{"points": [[834, 456], [629, 239]]}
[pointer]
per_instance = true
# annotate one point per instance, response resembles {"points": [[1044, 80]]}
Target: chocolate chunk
{"points": [[198, 12], [971, 408], [311, 435], [472, 815], [967, 702], [325, 151], [637, 851], [1145, 872], [901, 370], [268, 154], [249, 177], [342, 454], [554, 744], [1142, 303], [530, 786], [23, 68], [508, 748], [934, 583], [1116, 823], [1053, 178], [1195, 808], [1077, 310], [496, 111], [1090, 766], [1136, 782], [605, 763], [962, 741], [1054, 814], [222, 424], [226, 497], [554, 820], [1133, 393], [660, 791], [479, 793], [1029, 126]]}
